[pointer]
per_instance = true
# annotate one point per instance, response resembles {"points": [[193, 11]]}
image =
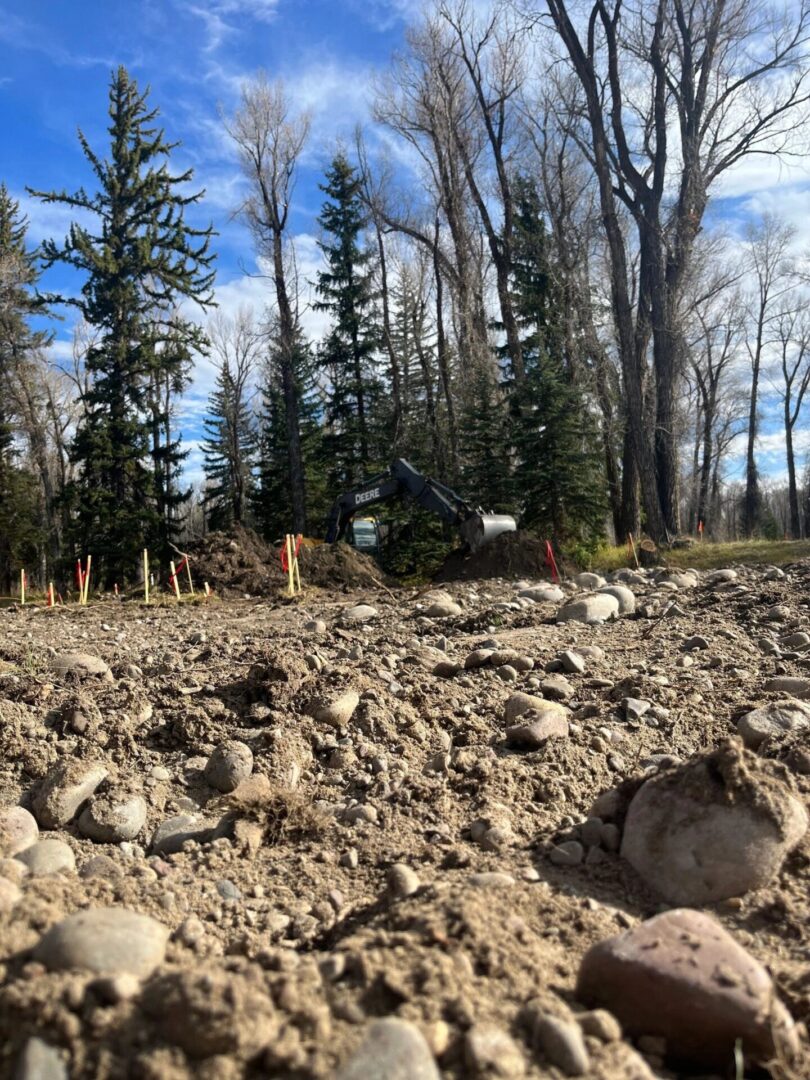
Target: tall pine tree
{"points": [[20, 532], [348, 354], [558, 475], [138, 262], [229, 449]]}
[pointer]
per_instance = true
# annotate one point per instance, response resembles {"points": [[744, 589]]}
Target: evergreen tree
{"points": [[272, 499], [558, 473], [229, 451], [351, 441], [139, 262], [20, 532], [485, 448]]}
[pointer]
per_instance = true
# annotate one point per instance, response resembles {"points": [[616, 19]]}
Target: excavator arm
{"points": [[402, 479]]}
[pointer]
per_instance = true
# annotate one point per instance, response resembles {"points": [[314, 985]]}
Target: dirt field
{"points": [[388, 849]]}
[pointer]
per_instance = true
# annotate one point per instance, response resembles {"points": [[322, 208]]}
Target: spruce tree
{"points": [[139, 261], [272, 501], [558, 473], [229, 451], [348, 354], [20, 532]]}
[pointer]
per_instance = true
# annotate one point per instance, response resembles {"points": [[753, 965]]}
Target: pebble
{"points": [[391, 1049], [18, 830], [587, 580], [443, 609], [338, 712], [777, 613], [65, 788], [590, 609], [772, 720], [49, 856], [489, 879], [39, 1061], [315, 626], [113, 817], [520, 703], [682, 977], [635, 708], [170, 835], [491, 1051], [600, 1024], [716, 827], [535, 729], [542, 594], [446, 669], [105, 940], [569, 853], [359, 613], [402, 881], [557, 688], [562, 1043], [572, 662], [227, 890], [695, 642], [477, 658], [230, 763]]}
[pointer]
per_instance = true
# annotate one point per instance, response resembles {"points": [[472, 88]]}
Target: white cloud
{"points": [[223, 19]]}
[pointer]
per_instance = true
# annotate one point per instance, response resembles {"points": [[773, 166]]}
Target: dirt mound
{"points": [[239, 562], [331, 566], [510, 555]]}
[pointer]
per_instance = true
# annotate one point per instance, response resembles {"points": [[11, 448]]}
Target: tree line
{"points": [[526, 291]]}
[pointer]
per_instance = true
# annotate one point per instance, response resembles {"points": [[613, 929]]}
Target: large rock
{"points": [[81, 665], [68, 785], [772, 720], [716, 827], [682, 977], [112, 817], [589, 609], [110, 941], [535, 729], [625, 597], [230, 763], [48, 856], [391, 1050], [789, 684], [18, 830]]}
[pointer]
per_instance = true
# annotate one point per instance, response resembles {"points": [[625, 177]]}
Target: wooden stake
{"points": [[50, 595], [145, 576], [207, 590], [22, 588], [633, 549], [297, 571], [188, 571], [290, 569], [174, 580], [86, 580]]}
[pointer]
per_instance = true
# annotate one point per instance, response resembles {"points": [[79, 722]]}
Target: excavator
{"points": [[402, 480]]}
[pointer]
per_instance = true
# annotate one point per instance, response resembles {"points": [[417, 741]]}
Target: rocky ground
{"points": [[497, 830]]}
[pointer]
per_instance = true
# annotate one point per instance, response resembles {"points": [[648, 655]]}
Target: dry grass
{"points": [[707, 556]]}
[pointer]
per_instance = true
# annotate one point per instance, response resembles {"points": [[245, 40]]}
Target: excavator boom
{"points": [[403, 480]]}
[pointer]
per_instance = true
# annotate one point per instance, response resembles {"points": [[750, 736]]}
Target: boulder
{"points": [[718, 826], [789, 684], [599, 607], [625, 597], [680, 976], [772, 720]]}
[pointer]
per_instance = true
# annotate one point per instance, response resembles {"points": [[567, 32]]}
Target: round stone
{"points": [[229, 764], [18, 830], [109, 941], [112, 817], [49, 856]]}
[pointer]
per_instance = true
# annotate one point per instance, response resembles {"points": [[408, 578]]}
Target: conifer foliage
{"points": [[349, 354], [138, 259]]}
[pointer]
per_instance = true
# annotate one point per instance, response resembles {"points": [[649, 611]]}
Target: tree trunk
{"points": [[751, 503], [793, 493]]}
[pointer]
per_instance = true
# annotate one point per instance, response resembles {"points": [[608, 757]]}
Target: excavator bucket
{"points": [[480, 529]]}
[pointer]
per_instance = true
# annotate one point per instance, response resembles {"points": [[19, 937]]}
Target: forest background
{"points": [[554, 253]]}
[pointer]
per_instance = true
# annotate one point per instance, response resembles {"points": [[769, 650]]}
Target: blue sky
{"points": [[55, 61]]}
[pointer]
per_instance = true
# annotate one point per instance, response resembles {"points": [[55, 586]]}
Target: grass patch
{"points": [[706, 556]]}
